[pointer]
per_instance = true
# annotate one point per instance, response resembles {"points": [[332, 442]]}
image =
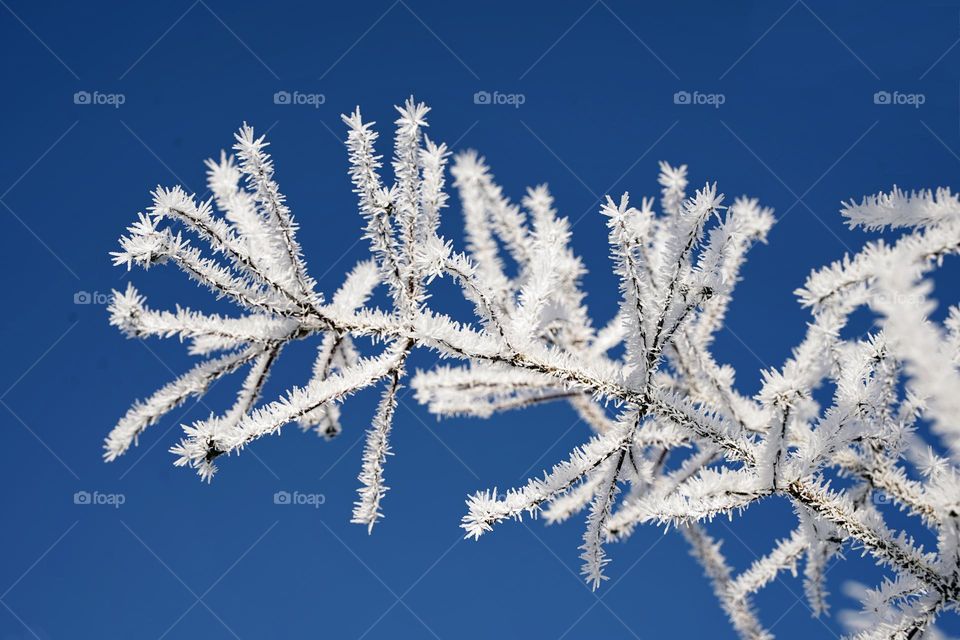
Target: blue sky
{"points": [[800, 127]]}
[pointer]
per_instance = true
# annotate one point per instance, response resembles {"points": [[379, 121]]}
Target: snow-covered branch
{"points": [[669, 439]]}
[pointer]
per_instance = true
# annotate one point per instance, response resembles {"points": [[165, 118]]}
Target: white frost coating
{"points": [[901, 209], [670, 440]]}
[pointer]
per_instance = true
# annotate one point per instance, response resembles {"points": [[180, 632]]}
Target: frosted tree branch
{"points": [[670, 440]]}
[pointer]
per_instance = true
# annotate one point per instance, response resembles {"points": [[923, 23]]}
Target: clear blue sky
{"points": [[798, 128]]}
